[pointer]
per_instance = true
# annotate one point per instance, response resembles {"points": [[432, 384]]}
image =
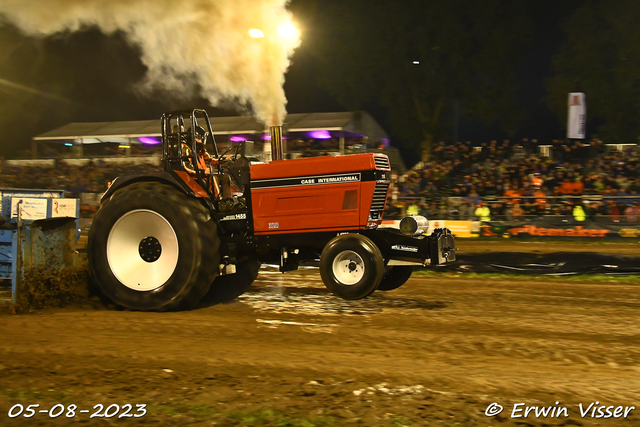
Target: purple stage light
{"points": [[149, 141], [237, 139], [320, 134]]}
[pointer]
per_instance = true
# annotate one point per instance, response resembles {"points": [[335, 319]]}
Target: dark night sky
{"points": [[96, 76], [547, 37]]}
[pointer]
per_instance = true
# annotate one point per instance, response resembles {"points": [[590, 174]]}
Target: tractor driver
{"points": [[205, 162], [204, 159]]}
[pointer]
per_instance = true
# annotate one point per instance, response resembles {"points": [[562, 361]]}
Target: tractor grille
{"points": [[381, 162], [379, 199]]}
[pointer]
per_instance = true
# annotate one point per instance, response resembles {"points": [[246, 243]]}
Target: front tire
{"points": [[395, 277], [152, 247], [351, 266]]}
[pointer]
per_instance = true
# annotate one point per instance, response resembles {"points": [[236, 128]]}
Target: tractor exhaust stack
{"points": [[276, 143]]}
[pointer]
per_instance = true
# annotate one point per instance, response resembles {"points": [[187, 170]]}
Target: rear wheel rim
{"points": [[137, 269], [348, 267]]}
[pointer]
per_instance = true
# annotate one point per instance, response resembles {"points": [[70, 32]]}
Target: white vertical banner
{"points": [[576, 127]]}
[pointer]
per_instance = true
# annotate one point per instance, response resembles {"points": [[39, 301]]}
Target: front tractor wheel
{"points": [[152, 247], [351, 266]]}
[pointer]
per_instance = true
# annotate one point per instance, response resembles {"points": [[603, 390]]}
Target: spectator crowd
{"points": [[495, 180], [515, 181], [90, 178]]}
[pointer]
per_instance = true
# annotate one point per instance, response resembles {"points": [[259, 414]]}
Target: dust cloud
{"points": [[199, 44]]}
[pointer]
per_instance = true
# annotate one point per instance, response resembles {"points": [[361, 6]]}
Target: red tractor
{"points": [[203, 226]]}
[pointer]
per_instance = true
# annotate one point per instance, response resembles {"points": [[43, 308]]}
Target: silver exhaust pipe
{"points": [[276, 143]]}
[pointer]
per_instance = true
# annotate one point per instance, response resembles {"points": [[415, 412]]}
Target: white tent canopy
{"points": [[356, 123], [342, 125]]}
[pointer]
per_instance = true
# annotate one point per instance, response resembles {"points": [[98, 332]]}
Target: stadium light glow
{"points": [[288, 31], [256, 33]]}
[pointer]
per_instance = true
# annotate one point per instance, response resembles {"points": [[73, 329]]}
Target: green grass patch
{"points": [[22, 395], [270, 417], [208, 413], [571, 240], [529, 277], [250, 418], [399, 422], [36, 395]]}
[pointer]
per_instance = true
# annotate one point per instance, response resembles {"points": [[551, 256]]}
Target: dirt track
{"points": [[437, 351]]}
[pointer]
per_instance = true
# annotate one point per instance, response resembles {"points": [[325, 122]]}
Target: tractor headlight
{"points": [[414, 225]]}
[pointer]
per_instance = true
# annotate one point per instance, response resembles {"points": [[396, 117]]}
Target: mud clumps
{"points": [[45, 288]]}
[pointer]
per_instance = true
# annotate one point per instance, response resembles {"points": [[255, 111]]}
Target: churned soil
{"points": [[438, 351]]}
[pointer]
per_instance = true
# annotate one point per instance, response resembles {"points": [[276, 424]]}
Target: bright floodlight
{"points": [[288, 31], [416, 62], [256, 34]]}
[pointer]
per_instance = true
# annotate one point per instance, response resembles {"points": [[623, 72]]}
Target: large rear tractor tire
{"points": [[395, 277], [228, 287], [153, 248], [351, 266]]}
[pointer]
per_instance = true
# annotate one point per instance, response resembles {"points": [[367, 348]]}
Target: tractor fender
{"points": [[178, 179]]}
